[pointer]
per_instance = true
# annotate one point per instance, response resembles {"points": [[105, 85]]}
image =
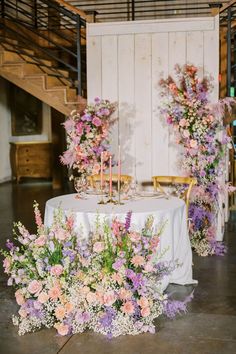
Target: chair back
{"points": [[158, 181], [106, 177]]}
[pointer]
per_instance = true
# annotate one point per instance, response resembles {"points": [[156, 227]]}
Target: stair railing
{"points": [[53, 31]]}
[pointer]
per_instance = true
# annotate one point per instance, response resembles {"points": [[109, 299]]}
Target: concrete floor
{"points": [[209, 327]]}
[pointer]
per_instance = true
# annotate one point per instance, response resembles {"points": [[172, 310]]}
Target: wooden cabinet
{"points": [[31, 159]]}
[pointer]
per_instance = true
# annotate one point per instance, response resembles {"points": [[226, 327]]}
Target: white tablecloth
{"points": [[174, 239]]}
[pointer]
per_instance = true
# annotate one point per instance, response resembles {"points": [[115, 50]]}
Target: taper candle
{"points": [[101, 174], [110, 167], [119, 170]]}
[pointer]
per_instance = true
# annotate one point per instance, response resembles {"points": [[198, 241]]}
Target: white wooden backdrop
{"points": [[125, 62]]}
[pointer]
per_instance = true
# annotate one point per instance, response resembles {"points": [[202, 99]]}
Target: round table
{"points": [[174, 241]]}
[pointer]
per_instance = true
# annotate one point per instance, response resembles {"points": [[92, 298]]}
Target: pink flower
{"points": [[56, 270], [128, 308], [22, 312], [34, 286], [91, 297], [62, 329], [116, 277], [40, 241], [97, 121], [193, 144], [96, 168], [143, 302], [98, 247], [182, 122], [6, 265], [137, 261], [19, 298], [55, 292], [148, 267], [186, 133], [60, 312], [169, 120], [43, 297], [109, 298], [69, 124], [69, 307], [145, 311], [84, 290], [125, 294], [134, 236], [61, 234]]}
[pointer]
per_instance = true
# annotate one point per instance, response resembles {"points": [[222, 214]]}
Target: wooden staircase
{"points": [[44, 52], [38, 80]]}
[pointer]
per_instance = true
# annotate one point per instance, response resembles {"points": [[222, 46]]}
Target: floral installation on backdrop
{"points": [[109, 283], [87, 138], [198, 127]]}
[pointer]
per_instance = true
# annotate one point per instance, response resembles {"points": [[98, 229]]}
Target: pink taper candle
{"points": [[101, 175], [119, 169], [110, 167]]}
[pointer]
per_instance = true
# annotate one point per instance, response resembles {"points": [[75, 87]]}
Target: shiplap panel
{"points": [[109, 81], [211, 58], [126, 102], [194, 53], [160, 136], [112, 75], [143, 105], [94, 67], [177, 55]]}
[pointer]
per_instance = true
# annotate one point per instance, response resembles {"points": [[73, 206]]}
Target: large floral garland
{"points": [[87, 138], [109, 284], [198, 127]]}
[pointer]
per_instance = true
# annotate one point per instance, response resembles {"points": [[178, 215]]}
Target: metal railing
{"points": [[55, 35], [129, 10]]}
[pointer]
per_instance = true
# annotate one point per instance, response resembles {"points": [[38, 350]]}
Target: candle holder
{"points": [[102, 201]]}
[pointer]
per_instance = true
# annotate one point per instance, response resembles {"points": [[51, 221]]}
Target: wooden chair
{"points": [[158, 181], [95, 179]]}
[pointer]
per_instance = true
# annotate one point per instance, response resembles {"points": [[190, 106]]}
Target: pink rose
{"points": [[56, 270], [19, 298], [85, 290], [40, 241], [61, 235], [183, 122], [96, 121], [60, 312], [137, 261], [143, 302], [43, 297], [186, 133], [62, 329], [145, 311], [34, 286], [98, 247], [128, 308], [91, 297], [193, 144], [22, 312], [109, 298], [55, 292]]}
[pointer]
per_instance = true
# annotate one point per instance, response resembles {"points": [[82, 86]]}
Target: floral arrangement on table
{"points": [[87, 138], [198, 127], [108, 283]]}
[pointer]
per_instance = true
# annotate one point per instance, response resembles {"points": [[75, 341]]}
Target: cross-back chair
{"points": [[95, 179], [189, 182]]}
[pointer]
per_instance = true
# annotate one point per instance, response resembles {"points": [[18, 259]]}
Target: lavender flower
{"points": [[128, 220]]}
